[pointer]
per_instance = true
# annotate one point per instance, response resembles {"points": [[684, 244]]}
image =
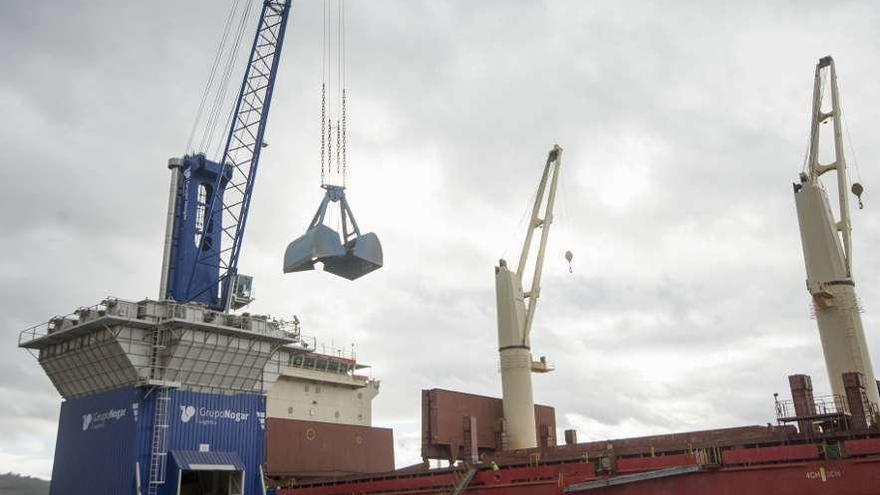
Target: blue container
{"points": [[96, 449], [103, 438]]}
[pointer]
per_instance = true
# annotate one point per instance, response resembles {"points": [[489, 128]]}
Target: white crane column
{"points": [[828, 251], [515, 318]]}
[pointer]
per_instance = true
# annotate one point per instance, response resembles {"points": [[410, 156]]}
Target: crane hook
{"points": [[857, 189], [568, 257]]}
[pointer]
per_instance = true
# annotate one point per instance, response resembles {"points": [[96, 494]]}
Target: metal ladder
{"points": [[462, 483], [158, 453], [158, 449]]}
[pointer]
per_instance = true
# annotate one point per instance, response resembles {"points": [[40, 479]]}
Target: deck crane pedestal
{"points": [[827, 245], [516, 312]]}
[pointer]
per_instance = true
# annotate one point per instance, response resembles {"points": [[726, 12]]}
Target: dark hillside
{"points": [[16, 484]]}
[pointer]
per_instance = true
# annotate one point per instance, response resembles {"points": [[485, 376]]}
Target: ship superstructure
{"points": [[176, 395]]}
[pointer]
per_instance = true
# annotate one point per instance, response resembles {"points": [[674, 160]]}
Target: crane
{"points": [[209, 200], [827, 246], [516, 313]]}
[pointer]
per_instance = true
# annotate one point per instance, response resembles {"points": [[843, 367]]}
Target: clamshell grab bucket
{"points": [[350, 256]]}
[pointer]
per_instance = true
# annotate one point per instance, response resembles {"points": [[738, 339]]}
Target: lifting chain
{"points": [[329, 146], [344, 145], [323, 127], [338, 147]]}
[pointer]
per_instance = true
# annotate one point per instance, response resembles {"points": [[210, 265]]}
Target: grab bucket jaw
{"points": [[363, 254], [319, 242]]}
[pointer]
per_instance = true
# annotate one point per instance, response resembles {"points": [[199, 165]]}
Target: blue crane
{"points": [[209, 200]]}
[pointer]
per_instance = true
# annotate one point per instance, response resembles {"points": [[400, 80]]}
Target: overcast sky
{"points": [[683, 123]]}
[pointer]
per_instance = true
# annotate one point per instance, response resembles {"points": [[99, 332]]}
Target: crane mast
{"points": [[827, 246], [516, 313], [209, 200]]}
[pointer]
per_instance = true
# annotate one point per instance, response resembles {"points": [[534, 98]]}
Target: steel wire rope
{"points": [[338, 87], [565, 217], [334, 113], [852, 149], [223, 88], [216, 63], [220, 131], [323, 87], [214, 109], [518, 227]]}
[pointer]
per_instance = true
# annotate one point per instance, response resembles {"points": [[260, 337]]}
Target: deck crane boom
{"points": [[516, 313], [209, 200], [827, 246]]}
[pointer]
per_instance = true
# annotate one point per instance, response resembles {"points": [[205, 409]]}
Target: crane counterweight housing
{"points": [[827, 247]]}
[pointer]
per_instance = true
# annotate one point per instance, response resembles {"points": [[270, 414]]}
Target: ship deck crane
{"points": [[516, 314], [827, 246], [209, 200]]}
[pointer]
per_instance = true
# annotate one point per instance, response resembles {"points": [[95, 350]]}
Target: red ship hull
{"points": [[776, 470]]}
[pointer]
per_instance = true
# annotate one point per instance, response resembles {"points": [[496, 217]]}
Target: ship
{"points": [[815, 445], [186, 394]]}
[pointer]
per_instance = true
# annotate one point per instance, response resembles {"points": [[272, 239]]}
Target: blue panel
{"points": [[101, 437], [219, 423], [96, 448]]}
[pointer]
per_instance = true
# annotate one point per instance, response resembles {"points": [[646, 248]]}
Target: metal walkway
{"points": [[631, 478]]}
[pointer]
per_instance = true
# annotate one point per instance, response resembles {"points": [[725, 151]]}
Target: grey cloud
{"points": [[683, 127]]}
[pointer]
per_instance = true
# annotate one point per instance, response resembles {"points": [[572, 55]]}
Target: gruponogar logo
{"points": [[96, 421], [206, 416], [186, 413]]}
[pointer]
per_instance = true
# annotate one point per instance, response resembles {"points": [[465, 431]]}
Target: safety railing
{"points": [[826, 405], [157, 311]]}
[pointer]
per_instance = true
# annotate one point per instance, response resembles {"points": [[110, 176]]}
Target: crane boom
{"points": [[827, 246], [209, 202], [515, 316]]}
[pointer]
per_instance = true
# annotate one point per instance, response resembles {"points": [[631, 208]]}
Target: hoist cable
{"points": [[852, 149], [237, 49], [323, 90], [210, 123], [217, 57], [222, 90], [334, 112]]}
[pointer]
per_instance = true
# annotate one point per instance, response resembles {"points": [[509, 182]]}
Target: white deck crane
{"points": [[516, 312], [828, 249]]}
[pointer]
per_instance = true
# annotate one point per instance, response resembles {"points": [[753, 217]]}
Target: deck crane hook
{"points": [[568, 258], [857, 189]]}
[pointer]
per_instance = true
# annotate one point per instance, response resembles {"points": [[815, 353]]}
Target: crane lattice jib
{"points": [[233, 189]]}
